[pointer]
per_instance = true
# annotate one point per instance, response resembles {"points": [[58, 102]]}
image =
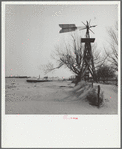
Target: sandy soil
{"points": [[54, 98]]}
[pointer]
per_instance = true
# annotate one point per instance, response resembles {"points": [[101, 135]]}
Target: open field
{"points": [[54, 98]]}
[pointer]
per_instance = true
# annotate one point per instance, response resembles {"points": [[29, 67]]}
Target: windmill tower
{"points": [[88, 63]]}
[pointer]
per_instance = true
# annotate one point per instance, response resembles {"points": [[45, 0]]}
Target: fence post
{"points": [[116, 81], [98, 94]]}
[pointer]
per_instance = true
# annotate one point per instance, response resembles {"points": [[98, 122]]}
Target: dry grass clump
{"points": [[84, 90], [92, 98]]}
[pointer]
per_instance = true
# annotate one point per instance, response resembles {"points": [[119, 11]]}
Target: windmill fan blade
{"points": [[93, 26], [91, 31], [84, 23], [89, 22]]}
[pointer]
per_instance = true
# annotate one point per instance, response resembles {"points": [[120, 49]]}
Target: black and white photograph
{"points": [[61, 59]]}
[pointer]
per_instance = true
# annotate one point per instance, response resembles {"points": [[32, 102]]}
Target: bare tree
{"points": [[70, 55], [99, 57], [112, 52], [46, 68]]}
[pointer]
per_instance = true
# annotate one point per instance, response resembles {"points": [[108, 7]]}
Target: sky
{"points": [[32, 31]]}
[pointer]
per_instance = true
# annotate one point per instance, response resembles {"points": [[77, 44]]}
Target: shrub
{"points": [[92, 98]]}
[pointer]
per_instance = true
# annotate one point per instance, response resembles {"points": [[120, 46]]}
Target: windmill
{"points": [[88, 63]]}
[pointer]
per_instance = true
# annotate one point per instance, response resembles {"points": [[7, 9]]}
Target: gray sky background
{"points": [[32, 31]]}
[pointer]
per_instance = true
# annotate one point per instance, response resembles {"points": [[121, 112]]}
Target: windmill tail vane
{"points": [[67, 28]]}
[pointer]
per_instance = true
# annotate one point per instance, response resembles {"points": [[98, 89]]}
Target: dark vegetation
{"points": [[92, 98]]}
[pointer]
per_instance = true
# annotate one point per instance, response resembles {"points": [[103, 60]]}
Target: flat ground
{"points": [[54, 98]]}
